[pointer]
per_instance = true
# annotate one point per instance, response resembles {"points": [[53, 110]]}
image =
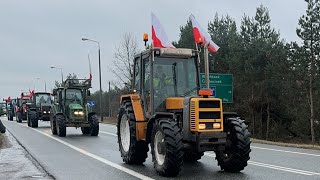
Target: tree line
{"points": [[276, 83]]}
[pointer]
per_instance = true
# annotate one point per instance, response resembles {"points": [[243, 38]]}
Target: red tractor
{"points": [[21, 109]]}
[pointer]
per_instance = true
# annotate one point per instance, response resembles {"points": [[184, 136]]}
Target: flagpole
{"points": [[206, 64]]}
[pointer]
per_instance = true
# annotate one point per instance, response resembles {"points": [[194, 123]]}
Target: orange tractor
{"points": [[180, 121]]}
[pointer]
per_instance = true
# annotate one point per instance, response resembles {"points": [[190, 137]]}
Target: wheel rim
{"points": [[158, 140], [125, 133]]}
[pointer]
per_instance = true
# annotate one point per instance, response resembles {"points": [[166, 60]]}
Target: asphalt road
{"points": [[80, 156]]}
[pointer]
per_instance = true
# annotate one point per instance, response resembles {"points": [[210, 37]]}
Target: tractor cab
{"points": [[163, 73]]}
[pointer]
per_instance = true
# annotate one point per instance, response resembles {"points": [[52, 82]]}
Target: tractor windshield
{"points": [[42, 99], [173, 77], [2, 105], [74, 96]]}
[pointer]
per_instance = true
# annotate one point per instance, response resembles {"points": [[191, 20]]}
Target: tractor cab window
{"points": [[42, 99], [74, 96], [136, 75], [173, 77]]}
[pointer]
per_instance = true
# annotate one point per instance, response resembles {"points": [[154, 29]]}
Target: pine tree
{"points": [[309, 32]]}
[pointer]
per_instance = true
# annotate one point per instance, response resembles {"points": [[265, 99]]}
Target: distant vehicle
{"points": [[70, 108], [21, 110], [11, 106], [38, 108], [3, 109]]}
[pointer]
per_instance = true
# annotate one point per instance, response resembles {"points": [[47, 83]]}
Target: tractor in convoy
{"points": [[3, 108], [11, 108], [21, 110], [38, 108], [70, 108], [168, 110]]}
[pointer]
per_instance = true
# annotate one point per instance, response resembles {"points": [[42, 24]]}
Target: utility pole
{"points": [[109, 100]]}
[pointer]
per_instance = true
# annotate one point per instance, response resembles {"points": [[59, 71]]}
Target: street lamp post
{"points": [[54, 67], [86, 39]]}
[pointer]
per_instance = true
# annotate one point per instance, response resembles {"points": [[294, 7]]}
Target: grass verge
{"points": [[304, 146]]}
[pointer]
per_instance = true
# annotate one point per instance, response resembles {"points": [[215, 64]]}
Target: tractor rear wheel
{"points": [[235, 156], [53, 125], [61, 125], [166, 147], [132, 151]]}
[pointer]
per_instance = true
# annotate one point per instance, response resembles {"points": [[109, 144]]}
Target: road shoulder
{"points": [[16, 163]]}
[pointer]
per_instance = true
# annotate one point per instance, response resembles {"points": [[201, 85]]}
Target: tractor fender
{"points": [[153, 120]]}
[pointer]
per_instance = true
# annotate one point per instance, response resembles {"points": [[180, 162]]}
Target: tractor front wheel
{"points": [[19, 117], [166, 147], [33, 119], [132, 151], [235, 156], [94, 125], [53, 125], [61, 125]]}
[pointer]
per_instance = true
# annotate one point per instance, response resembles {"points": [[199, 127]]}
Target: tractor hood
{"points": [[75, 106]]}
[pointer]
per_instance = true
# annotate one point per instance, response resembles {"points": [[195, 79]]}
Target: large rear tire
{"points": [[61, 125], [236, 154], [132, 151], [166, 147]]}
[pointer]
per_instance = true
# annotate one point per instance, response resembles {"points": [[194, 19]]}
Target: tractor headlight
{"points": [[79, 113], [44, 112], [202, 126]]}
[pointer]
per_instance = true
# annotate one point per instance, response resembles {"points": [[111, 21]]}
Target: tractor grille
{"points": [[192, 115], [209, 104], [209, 115], [206, 115]]}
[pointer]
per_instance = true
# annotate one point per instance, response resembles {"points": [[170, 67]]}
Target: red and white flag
{"points": [[159, 36], [201, 36]]}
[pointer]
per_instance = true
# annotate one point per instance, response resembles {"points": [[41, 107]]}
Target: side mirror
{"points": [[54, 92], [88, 93]]}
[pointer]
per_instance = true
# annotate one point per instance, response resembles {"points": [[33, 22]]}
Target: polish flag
{"points": [[159, 36], [201, 36]]}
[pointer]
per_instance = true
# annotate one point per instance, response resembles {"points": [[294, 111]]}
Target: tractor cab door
{"points": [[142, 81]]}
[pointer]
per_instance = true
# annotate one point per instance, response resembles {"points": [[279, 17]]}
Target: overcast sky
{"points": [[37, 34]]}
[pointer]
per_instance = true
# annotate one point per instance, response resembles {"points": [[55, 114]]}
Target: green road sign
{"points": [[221, 84]]}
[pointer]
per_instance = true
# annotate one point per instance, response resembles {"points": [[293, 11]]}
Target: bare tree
{"points": [[122, 65]]}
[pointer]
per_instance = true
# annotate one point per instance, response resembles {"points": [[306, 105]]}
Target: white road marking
{"points": [[278, 150], [108, 133], [105, 161], [270, 166]]}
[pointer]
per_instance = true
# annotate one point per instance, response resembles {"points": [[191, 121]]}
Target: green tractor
{"points": [[3, 109], [70, 108], [38, 108]]}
